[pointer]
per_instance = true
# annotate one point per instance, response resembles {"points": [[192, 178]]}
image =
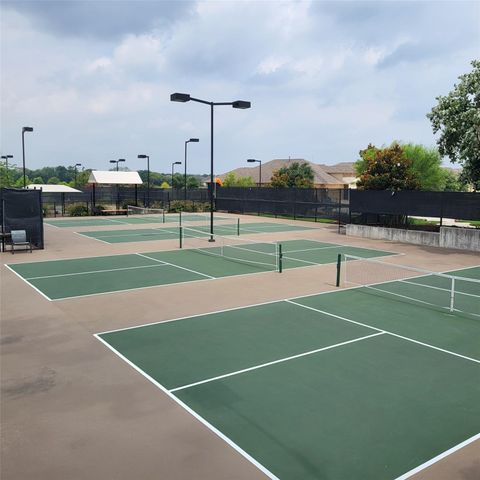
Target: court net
{"points": [[264, 255], [448, 292], [134, 210]]}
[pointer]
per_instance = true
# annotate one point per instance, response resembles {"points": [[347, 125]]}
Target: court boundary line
{"points": [[96, 271], [386, 331], [253, 305], [91, 238], [178, 266], [274, 362], [439, 457], [28, 283], [159, 229], [192, 412]]}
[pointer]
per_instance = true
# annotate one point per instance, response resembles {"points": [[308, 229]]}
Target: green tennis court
{"points": [[165, 233], [131, 220], [354, 384], [60, 279]]}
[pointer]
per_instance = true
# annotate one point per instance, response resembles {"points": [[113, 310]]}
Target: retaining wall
{"points": [[449, 237]]}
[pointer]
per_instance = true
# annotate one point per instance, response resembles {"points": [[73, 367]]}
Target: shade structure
{"points": [[114, 178], [47, 188]]}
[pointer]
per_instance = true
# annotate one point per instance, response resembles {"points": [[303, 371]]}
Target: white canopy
{"points": [[46, 188], [117, 178]]}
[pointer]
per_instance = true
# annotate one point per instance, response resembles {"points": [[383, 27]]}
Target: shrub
{"points": [[77, 211], [188, 206]]}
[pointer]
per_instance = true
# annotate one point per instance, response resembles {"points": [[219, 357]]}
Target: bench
{"points": [[115, 211]]}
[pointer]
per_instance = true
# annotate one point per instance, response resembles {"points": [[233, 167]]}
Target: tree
{"points": [[426, 166], [165, 185], [231, 180], [192, 182], [298, 175], [457, 117], [53, 181], [38, 180], [19, 182], [452, 181], [385, 169]]}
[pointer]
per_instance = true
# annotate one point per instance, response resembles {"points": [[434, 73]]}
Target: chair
{"points": [[19, 238]]}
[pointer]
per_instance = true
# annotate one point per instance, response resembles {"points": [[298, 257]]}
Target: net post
{"points": [[452, 295], [339, 266], [180, 213], [280, 258], [181, 236], [238, 226]]}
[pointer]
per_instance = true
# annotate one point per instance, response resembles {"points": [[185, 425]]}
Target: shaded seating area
{"points": [[100, 177]]}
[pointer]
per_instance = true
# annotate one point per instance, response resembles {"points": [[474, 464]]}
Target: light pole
{"points": [[75, 166], [6, 157], [148, 177], [24, 129], [173, 166], [185, 179], [252, 160], [185, 97], [118, 187], [116, 161]]}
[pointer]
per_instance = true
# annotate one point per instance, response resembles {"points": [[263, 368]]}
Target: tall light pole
{"points": [[117, 161], [185, 97], [24, 129], [75, 166], [173, 166], [118, 188], [6, 157], [185, 179], [252, 160], [148, 177]]}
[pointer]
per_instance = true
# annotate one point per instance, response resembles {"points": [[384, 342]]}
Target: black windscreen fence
{"points": [[457, 205], [22, 210], [309, 203]]}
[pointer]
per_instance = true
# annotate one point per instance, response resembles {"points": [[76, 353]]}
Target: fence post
{"points": [[294, 203]]}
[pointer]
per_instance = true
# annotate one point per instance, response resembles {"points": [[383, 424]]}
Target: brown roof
{"points": [[321, 172]]}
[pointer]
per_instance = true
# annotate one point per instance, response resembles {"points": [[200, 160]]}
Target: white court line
{"points": [[96, 271], [385, 331], [440, 288], [274, 362], [154, 231], [91, 238], [253, 305], [433, 460], [177, 266], [28, 283], [192, 412]]}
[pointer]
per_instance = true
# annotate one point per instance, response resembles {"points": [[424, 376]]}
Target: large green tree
{"points": [[457, 118], [385, 169], [231, 180], [298, 175], [426, 166]]}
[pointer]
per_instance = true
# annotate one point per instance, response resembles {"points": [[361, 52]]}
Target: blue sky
{"points": [[325, 78]]}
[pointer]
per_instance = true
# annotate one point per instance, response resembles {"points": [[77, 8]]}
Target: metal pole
{"points": [[185, 176], [23, 152], [148, 180], [211, 173], [260, 179]]}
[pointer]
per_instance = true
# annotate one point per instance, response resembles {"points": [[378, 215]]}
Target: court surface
{"points": [[130, 220], [345, 385], [60, 279], [165, 233]]}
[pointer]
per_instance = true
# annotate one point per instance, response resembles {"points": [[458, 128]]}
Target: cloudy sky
{"points": [[94, 78]]}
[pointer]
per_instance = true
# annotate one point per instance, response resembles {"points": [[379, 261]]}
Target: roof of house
{"points": [[109, 177], [322, 174], [47, 188]]}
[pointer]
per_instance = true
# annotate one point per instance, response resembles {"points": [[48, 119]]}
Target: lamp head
{"points": [[177, 163], [27, 129], [194, 140], [142, 156], [251, 160], [241, 104], [180, 97], [113, 161], [9, 156], [121, 160]]}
